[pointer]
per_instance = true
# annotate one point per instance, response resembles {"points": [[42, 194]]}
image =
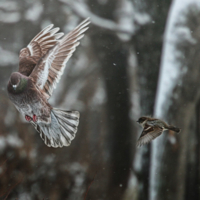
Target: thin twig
{"points": [[13, 188], [5, 169], [89, 186]]}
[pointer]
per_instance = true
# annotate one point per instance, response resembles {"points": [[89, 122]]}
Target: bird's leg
{"points": [[28, 118], [34, 118]]}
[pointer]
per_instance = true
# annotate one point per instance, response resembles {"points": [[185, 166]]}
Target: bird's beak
{"points": [[137, 121], [14, 87]]}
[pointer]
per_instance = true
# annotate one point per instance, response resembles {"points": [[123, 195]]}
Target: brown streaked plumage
{"points": [[152, 128], [41, 64]]}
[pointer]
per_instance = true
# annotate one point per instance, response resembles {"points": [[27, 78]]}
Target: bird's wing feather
{"points": [[148, 134], [62, 129], [50, 68], [39, 46]]}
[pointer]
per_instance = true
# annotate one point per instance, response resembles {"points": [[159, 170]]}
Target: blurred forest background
{"points": [[137, 58]]}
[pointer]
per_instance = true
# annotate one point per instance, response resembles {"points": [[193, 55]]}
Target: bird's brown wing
{"points": [[50, 68], [37, 48], [148, 134]]}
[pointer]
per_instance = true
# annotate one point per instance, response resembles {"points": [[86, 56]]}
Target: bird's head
{"points": [[15, 79], [141, 120], [18, 82]]}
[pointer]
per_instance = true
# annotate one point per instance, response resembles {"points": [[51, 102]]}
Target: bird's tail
{"points": [[173, 128], [62, 129]]}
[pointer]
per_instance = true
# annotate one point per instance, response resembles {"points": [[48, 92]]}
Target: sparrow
{"points": [[152, 128], [41, 65]]}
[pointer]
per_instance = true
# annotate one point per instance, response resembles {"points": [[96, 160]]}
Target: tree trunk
{"points": [[177, 98]]}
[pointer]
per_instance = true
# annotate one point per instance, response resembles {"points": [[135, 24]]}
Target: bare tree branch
{"points": [[81, 10]]}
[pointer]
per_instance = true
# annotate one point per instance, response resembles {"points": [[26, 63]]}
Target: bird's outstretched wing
{"points": [[37, 48], [50, 68], [148, 134]]}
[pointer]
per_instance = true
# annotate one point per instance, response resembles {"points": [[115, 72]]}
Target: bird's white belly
{"points": [[30, 110], [25, 110]]}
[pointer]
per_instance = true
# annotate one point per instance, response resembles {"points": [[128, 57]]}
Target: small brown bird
{"points": [[41, 65], [152, 128]]}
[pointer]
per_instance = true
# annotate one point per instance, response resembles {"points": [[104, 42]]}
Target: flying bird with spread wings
{"points": [[41, 65], [152, 128]]}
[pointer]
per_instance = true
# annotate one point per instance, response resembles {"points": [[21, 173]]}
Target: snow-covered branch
{"points": [[82, 10], [177, 95]]}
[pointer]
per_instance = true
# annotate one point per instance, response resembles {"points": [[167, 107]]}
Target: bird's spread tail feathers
{"points": [[62, 129], [173, 128]]}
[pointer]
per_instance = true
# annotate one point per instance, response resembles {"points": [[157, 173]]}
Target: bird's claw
{"points": [[34, 118], [28, 118]]}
